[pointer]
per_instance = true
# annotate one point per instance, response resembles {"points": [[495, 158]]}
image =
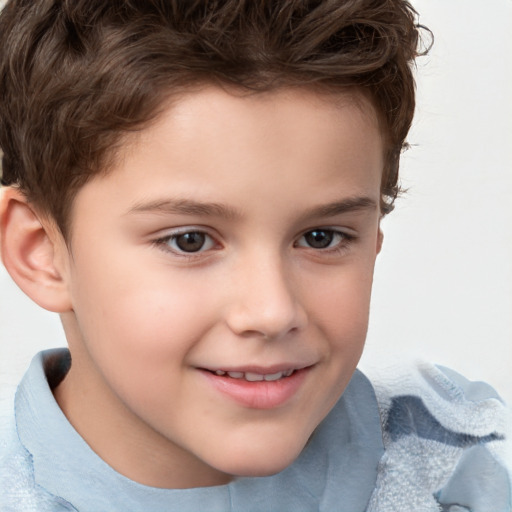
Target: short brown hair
{"points": [[75, 75]]}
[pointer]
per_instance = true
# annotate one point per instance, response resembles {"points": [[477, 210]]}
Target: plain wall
{"points": [[443, 283]]}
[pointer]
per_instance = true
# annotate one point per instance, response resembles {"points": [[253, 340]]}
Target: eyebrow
{"points": [[346, 205], [186, 207], [191, 207]]}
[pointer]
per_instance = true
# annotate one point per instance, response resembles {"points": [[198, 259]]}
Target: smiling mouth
{"points": [[257, 388], [254, 377]]}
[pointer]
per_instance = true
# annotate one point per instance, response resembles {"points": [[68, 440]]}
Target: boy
{"points": [[196, 188]]}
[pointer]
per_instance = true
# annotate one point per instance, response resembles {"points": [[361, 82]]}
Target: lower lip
{"points": [[260, 394]]}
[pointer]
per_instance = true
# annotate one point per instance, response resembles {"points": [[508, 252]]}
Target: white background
{"points": [[443, 284]]}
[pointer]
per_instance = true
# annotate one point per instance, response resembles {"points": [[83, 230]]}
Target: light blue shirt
{"points": [[350, 463]]}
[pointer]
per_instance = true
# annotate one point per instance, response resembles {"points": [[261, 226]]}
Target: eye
{"points": [[188, 242], [321, 239]]}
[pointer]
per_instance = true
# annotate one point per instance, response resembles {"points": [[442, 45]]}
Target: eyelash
{"points": [[344, 240], [164, 242]]}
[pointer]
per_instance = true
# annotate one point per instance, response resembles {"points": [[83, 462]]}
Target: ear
{"points": [[33, 252], [380, 239]]}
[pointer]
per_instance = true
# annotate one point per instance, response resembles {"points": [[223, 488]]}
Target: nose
{"points": [[265, 300]]}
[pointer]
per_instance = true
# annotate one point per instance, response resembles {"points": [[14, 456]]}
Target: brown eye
{"points": [[187, 242], [319, 238], [190, 242]]}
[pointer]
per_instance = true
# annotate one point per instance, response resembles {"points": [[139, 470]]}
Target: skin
{"points": [[146, 318]]}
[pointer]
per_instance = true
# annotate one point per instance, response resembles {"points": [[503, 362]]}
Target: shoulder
{"points": [[18, 491], [447, 442]]}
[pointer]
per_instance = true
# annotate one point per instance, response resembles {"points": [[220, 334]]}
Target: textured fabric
{"points": [[447, 447], [432, 442]]}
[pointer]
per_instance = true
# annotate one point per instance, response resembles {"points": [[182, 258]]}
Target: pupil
{"points": [[190, 242], [319, 239]]}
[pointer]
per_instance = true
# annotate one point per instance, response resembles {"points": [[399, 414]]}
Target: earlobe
{"points": [[29, 247], [380, 240]]}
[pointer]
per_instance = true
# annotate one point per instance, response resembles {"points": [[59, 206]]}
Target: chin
{"points": [[266, 461]]}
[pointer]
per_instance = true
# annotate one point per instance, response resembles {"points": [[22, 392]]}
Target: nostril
{"points": [[255, 334], [267, 309]]}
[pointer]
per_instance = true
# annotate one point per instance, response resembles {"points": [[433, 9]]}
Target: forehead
{"points": [[218, 144], [223, 105], [295, 115]]}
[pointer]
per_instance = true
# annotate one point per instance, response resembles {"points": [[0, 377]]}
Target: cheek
{"points": [[339, 315], [134, 298], [341, 305], [144, 327], [139, 344], [137, 323]]}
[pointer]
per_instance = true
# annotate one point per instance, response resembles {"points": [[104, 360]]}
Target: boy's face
{"points": [[233, 241]]}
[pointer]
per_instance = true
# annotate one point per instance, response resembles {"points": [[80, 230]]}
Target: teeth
{"points": [[236, 375], [255, 377], [274, 376]]}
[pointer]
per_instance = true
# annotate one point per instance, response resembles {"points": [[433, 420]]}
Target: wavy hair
{"points": [[76, 75]]}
